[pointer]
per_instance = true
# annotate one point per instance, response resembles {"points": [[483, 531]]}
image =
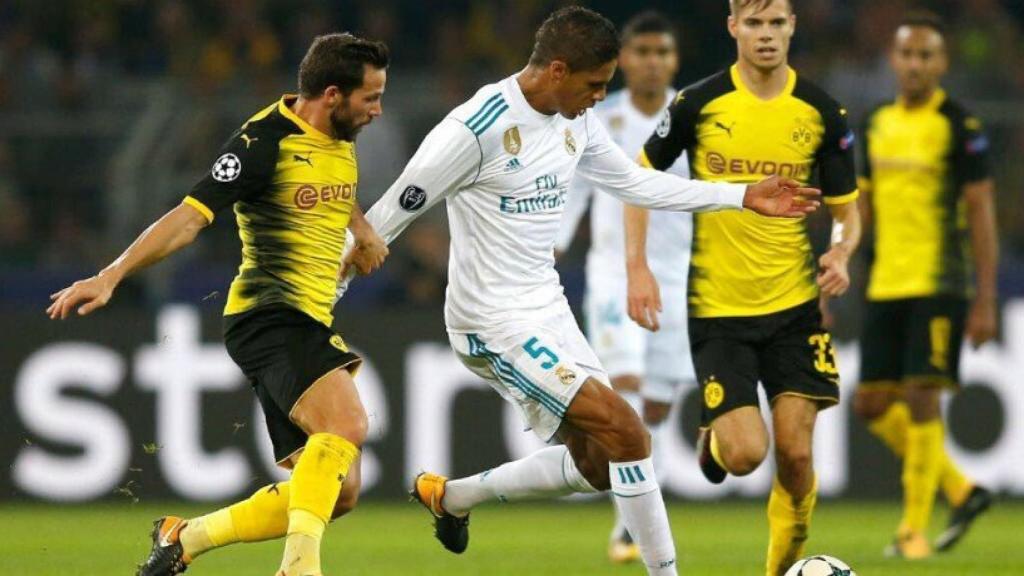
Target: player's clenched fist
{"points": [[86, 295], [781, 197]]}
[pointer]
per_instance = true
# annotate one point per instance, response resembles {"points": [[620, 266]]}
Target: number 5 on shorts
{"points": [[536, 352]]}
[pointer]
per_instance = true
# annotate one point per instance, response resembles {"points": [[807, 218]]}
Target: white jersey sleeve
{"points": [[603, 163], [447, 160], [576, 202]]}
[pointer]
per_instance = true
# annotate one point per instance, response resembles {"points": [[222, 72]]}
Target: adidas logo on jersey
{"points": [[513, 165]]}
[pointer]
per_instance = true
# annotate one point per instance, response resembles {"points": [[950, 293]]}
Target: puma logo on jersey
{"points": [[298, 158], [728, 129], [248, 140]]}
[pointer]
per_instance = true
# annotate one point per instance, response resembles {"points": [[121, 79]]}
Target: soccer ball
{"points": [[820, 566]]}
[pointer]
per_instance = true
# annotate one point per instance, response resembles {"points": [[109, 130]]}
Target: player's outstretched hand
{"points": [[781, 197], [644, 297], [367, 255], [86, 295]]}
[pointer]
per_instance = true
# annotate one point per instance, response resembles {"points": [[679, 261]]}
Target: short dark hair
{"points": [[581, 38], [340, 60], [924, 19], [648, 22], [736, 5]]}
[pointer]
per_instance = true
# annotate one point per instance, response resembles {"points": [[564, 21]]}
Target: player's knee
{"points": [[923, 400], [352, 425], [743, 458], [631, 440], [870, 404], [793, 458]]}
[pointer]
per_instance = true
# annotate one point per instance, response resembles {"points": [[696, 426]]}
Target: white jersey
{"points": [[505, 170], [669, 233]]}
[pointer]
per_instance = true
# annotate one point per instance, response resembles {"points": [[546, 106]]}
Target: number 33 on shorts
{"points": [[824, 353]]}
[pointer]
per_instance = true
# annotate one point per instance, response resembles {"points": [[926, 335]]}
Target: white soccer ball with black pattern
{"points": [[820, 566], [226, 168]]}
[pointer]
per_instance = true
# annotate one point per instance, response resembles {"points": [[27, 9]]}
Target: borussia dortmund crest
{"points": [[512, 142], [570, 142], [713, 393]]}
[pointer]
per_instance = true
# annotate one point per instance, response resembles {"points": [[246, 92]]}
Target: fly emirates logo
{"points": [[718, 164]]}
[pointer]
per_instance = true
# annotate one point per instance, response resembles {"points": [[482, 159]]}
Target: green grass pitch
{"points": [[526, 539]]}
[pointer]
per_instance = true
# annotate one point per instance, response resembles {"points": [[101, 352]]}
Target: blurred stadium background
{"points": [[111, 109]]}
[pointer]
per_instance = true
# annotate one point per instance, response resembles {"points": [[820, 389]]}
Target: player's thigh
{"points": [[607, 420], [284, 353], [882, 348], [934, 340], [616, 340], [793, 419], [798, 358], [535, 367], [883, 342], [332, 404], [726, 364]]}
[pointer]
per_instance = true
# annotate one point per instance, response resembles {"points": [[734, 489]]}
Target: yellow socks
{"points": [[716, 453], [315, 484], [921, 468], [262, 516], [891, 429], [788, 523]]}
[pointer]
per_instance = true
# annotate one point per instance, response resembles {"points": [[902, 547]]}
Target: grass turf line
{"points": [[726, 538]]}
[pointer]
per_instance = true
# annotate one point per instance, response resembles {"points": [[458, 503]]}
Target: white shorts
{"points": [[661, 359], [539, 368]]}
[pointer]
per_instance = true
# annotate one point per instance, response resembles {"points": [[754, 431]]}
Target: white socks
{"points": [[638, 498], [547, 473]]}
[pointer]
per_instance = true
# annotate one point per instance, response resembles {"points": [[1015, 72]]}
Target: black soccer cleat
{"points": [[711, 469], [450, 530], [961, 518], [167, 557]]}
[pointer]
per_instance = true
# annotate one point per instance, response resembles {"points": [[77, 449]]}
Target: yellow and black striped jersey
{"points": [[293, 189], [745, 264], [916, 162]]}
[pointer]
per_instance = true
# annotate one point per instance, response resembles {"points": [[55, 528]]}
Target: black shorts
{"points": [[283, 352], [789, 352], [912, 338]]}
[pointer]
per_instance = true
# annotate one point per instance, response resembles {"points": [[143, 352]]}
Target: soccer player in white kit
{"points": [[503, 161], [646, 367]]}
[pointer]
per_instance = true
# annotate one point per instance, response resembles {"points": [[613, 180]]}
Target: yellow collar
{"points": [[284, 107]]}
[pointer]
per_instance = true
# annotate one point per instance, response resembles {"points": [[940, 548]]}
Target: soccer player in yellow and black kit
{"points": [[929, 195], [753, 287], [290, 173]]}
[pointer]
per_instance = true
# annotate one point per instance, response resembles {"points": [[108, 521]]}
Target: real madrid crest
{"points": [[570, 143], [565, 375], [511, 140]]}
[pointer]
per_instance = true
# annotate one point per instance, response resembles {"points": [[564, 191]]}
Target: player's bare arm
{"points": [[833, 275], [369, 249], [981, 319], [175, 230], [643, 293]]}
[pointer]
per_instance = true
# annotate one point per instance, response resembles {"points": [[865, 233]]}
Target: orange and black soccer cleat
{"points": [[978, 501], [167, 557], [452, 531]]}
